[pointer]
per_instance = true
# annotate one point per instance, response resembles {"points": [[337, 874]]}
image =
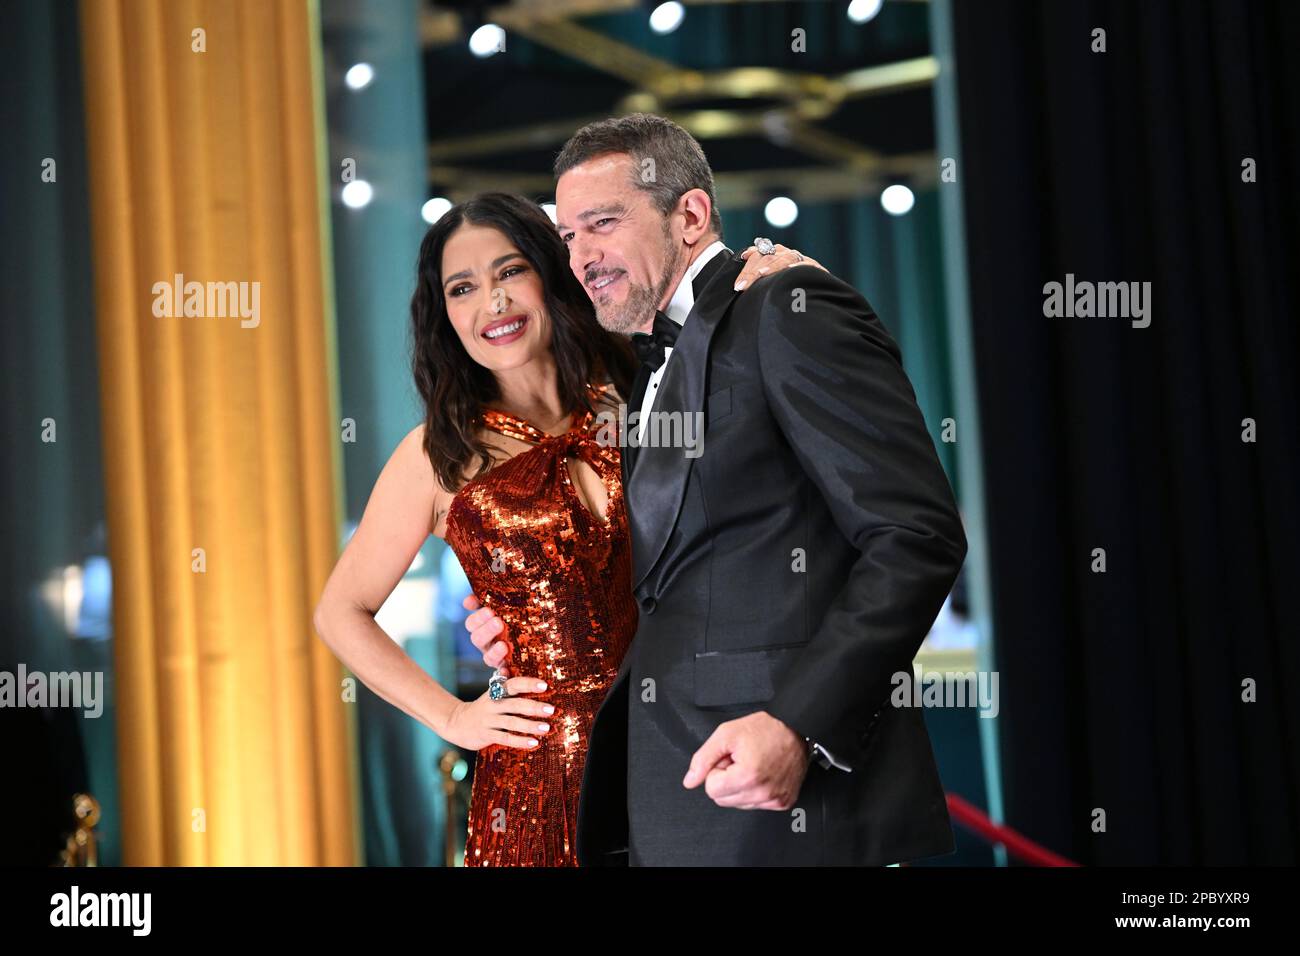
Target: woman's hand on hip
{"points": [[512, 721]]}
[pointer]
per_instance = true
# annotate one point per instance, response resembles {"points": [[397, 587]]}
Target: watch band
{"points": [[815, 752]]}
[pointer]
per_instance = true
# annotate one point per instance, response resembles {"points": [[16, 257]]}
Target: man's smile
{"points": [[604, 283]]}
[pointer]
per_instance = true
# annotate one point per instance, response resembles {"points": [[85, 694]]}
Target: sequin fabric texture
{"points": [[560, 579]]}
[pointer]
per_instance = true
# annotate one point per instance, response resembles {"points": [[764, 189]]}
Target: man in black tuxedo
{"points": [[786, 570]]}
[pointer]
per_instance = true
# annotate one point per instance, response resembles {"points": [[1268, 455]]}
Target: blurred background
{"points": [[177, 487]]}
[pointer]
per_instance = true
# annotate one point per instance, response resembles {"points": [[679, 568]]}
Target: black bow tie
{"points": [[650, 346]]}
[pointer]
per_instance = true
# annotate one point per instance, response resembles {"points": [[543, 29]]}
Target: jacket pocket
{"points": [[750, 676], [718, 405]]}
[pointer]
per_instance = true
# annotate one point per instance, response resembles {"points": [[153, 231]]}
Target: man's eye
{"points": [[566, 237], [606, 219]]}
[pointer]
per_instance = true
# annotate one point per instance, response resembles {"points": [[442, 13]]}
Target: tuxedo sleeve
{"points": [[834, 381]]}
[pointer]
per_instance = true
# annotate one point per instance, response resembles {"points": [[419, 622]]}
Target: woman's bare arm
{"points": [[406, 500]]}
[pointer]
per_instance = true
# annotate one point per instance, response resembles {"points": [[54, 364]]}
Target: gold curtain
{"points": [[205, 137]]}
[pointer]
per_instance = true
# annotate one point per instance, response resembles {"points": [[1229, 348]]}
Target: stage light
{"points": [[860, 11], [897, 200], [667, 17], [781, 211], [433, 210], [487, 40], [358, 76], [357, 194]]}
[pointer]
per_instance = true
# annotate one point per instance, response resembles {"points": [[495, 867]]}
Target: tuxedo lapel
{"points": [[639, 385], [706, 274], [658, 480]]}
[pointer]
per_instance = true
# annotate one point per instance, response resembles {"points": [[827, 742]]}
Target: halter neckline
{"points": [[515, 427]]}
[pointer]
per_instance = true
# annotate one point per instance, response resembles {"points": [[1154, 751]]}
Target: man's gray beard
{"points": [[638, 309]]}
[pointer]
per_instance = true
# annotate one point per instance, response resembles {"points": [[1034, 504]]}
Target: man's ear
{"points": [[696, 210]]}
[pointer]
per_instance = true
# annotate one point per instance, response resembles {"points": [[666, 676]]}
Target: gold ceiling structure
{"points": [[788, 105]]}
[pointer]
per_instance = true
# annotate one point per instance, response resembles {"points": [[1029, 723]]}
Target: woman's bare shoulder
{"points": [[411, 453], [413, 458]]}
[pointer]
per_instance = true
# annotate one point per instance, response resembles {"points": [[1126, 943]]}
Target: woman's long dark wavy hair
{"points": [[454, 388]]}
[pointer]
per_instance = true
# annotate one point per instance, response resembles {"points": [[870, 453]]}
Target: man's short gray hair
{"points": [[678, 163]]}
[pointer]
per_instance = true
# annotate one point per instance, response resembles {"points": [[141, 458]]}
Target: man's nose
{"points": [[582, 257]]}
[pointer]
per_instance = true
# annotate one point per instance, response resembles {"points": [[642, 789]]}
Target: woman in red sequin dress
{"points": [[515, 467], [557, 572]]}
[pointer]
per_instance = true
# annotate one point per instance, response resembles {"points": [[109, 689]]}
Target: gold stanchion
{"points": [[453, 767], [81, 848]]}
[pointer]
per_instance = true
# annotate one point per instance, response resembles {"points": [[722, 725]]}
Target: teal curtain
{"points": [[54, 580], [382, 129]]}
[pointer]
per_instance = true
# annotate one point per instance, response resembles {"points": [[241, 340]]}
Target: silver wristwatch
{"points": [[815, 752]]}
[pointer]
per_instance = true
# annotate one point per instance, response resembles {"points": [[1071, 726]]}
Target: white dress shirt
{"points": [[679, 307]]}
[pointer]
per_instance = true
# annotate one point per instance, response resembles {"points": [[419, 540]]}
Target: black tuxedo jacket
{"points": [[793, 567]]}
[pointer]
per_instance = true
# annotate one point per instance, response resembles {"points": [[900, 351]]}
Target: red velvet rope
{"points": [[1019, 846]]}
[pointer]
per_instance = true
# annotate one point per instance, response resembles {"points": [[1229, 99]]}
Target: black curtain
{"points": [[1122, 691]]}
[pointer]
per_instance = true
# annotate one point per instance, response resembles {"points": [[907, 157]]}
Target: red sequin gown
{"points": [[560, 579]]}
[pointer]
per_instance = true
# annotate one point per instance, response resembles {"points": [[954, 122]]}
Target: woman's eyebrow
{"points": [[466, 273]]}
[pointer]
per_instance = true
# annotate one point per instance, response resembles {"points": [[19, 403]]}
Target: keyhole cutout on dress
{"points": [[588, 487]]}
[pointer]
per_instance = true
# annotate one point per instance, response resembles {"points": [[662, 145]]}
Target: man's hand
{"points": [[751, 763], [487, 632]]}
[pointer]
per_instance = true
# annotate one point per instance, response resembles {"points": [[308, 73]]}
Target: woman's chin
{"points": [[504, 358]]}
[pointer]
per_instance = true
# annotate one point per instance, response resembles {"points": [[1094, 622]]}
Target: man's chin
{"points": [[620, 324]]}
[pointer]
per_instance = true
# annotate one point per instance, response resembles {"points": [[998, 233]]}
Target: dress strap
{"points": [[601, 393], [597, 395], [514, 427]]}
